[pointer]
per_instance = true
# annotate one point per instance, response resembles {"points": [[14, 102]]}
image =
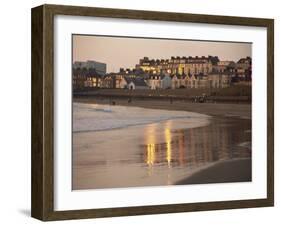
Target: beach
{"points": [[159, 142], [213, 109]]}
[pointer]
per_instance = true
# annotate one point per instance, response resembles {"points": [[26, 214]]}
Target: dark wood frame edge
{"points": [[42, 197]]}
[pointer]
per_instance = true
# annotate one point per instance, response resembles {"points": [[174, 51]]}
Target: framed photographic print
{"points": [[141, 112]]}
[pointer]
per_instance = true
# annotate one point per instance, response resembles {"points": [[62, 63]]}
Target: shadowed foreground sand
{"points": [[238, 170]]}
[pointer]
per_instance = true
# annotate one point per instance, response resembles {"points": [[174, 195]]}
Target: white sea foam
{"points": [[95, 117]]}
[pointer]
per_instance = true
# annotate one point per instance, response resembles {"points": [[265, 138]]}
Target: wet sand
{"points": [[157, 154]]}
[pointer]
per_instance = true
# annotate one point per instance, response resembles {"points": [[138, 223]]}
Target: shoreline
{"points": [[242, 111], [156, 116], [156, 154]]}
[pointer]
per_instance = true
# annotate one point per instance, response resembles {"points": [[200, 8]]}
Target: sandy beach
{"points": [[169, 152], [213, 109]]}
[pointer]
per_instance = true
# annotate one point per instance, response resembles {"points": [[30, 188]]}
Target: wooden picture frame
{"points": [[43, 112]]}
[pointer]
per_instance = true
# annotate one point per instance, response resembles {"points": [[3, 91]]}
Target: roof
{"points": [[187, 60], [136, 81], [245, 60], [157, 76], [163, 75], [179, 76]]}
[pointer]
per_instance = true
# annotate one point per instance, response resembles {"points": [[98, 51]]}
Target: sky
{"points": [[123, 52]]}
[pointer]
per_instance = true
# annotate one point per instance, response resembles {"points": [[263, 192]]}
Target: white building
{"points": [[154, 81], [162, 81]]}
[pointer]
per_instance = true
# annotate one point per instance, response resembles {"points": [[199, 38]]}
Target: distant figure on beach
{"points": [[113, 103], [171, 100], [129, 100]]}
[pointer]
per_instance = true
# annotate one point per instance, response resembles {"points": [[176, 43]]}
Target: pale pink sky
{"points": [[123, 52]]}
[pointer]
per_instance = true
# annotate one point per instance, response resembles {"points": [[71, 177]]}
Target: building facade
{"points": [[243, 69], [178, 65], [219, 79], [88, 74]]}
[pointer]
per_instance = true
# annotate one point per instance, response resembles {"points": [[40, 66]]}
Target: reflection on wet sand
{"points": [[221, 140], [156, 154]]}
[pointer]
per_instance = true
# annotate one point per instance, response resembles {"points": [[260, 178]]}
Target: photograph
{"points": [[160, 112]]}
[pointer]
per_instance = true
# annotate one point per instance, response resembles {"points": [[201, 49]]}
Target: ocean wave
{"points": [[94, 117]]}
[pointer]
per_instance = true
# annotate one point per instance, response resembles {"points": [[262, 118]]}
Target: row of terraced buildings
{"points": [[173, 73]]}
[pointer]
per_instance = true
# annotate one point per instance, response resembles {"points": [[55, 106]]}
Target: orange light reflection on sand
{"points": [[150, 147], [168, 144], [150, 154]]}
